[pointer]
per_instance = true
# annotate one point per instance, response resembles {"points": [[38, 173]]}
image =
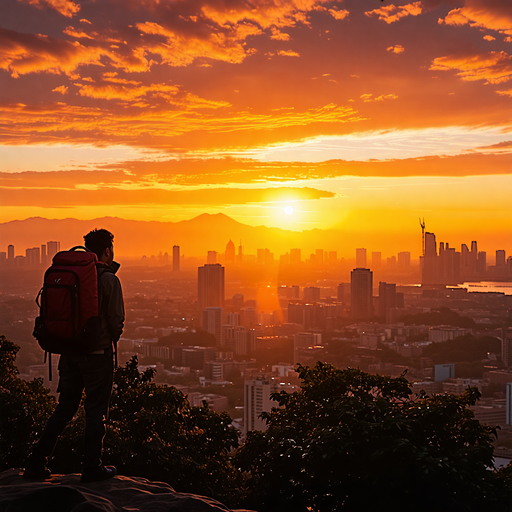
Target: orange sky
{"points": [[362, 115]]}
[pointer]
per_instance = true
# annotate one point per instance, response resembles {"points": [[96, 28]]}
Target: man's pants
{"points": [[94, 373]]}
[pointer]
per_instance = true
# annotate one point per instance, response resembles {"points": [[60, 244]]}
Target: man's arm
{"points": [[114, 305]]}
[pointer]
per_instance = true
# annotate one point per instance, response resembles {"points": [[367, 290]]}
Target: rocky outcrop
{"points": [[65, 493]]}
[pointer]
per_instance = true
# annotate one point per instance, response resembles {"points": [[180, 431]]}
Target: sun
{"points": [[288, 210]]}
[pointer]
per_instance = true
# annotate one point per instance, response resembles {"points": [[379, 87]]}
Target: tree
{"points": [[25, 407], [353, 441]]}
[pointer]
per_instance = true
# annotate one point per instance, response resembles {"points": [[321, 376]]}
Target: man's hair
{"points": [[98, 240]]}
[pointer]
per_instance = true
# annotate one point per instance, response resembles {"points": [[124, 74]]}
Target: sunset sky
{"points": [[361, 115]]}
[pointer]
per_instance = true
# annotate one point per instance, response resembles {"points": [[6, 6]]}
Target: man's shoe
{"points": [[37, 473], [98, 474]]}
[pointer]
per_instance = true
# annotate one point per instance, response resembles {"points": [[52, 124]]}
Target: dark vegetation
{"points": [[441, 316], [346, 441], [466, 348]]}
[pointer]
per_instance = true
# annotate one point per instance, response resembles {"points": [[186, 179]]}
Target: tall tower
{"points": [[210, 286], [229, 256], [430, 273], [10, 254], [52, 249], [361, 258], [361, 291], [175, 258]]}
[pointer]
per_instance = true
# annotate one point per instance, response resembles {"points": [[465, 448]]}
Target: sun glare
{"points": [[288, 210]]}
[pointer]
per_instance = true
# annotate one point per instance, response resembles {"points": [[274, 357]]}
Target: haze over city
{"points": [[307, 197]]}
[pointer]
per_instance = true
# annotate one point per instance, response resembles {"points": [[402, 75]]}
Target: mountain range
{"points": [[137, 238]]}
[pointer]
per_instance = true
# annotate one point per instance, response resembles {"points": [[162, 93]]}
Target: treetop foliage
{"points": [[354, 441], [441, 316]]}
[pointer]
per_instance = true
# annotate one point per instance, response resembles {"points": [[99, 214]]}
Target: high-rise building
{"points": [[33, 257], [295, 256], [240, 257], [175, 258], [212, 322], [245, 341], [229, 256], [361, 291], [387, 298], [500, 258], [429, 271], [257, 400], [210, 286], [10, 254], [481, 263], [43, 255], [506, 347], [311, 294], [304, 340], [376, 260], [211, 258], [343, 292], [404, 261], [319, 253], [52, 249], [361, 258]]}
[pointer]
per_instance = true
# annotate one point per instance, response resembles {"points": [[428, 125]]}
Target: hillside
{"points": [[138, 238]]}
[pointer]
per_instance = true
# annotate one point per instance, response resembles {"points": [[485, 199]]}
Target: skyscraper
{"points": [[500, 258], [376, 260], [211, 258], [175, 258], [387, 298], [229, 256], [210, 286], [361, 258], [212, 322], [319, 256], [361, 290], [295, 256], [429, 271], [52, 249], [404, 261]]}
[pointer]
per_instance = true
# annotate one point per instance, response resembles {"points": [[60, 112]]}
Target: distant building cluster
{"points": [[34, 257], [449, 266]]}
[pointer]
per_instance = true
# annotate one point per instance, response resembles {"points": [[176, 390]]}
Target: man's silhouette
{"points": [[92, 372]]}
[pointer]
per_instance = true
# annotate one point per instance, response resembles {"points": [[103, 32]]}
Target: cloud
{"points": [[277, 35], [265, 13], [30, 53], [489, 38], [488, 14], [65, 7], [398, 48], [62, 89], [182, 49], [367, 98], [339, 15], [52, 198], [391, 13], [494, 67], [505, 93], [57, 121], [505, 145], [288, 53]]}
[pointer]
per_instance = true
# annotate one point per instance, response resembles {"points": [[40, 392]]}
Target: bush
{"points": [[353, 441]]}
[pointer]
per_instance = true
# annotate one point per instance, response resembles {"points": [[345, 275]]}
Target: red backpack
{"points": [[68, 321]]}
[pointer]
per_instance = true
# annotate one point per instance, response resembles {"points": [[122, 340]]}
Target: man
{"points": [[93, 372]]}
